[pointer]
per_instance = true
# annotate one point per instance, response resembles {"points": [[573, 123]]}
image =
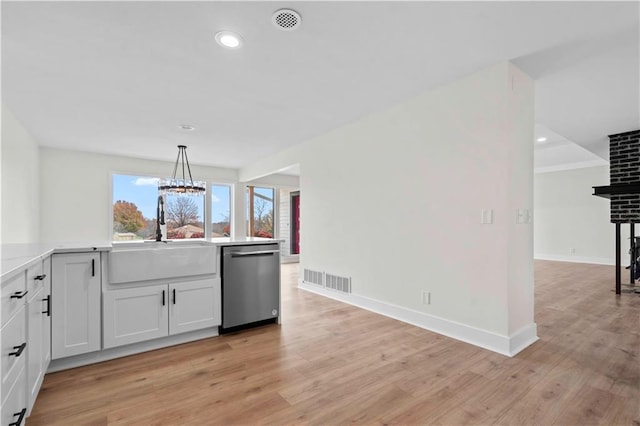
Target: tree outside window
{"points": [[183, 216]]}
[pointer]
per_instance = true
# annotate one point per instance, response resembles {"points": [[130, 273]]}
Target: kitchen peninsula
{"points": [[67, 305]]}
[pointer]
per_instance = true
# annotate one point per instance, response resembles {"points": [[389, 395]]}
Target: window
{"points": [[260, 203], [184, 216], [220, 210], [135, 201]]}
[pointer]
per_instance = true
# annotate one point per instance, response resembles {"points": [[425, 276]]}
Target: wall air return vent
{"points": [[286, 19], [335, 282], [314, 277]]}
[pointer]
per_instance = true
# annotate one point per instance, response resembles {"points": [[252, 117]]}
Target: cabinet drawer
{"points": [[14, 408], [35, 279], [14, 351], [11, 302]]}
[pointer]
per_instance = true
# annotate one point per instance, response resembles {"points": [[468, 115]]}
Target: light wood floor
{"points": [[330, 363]]}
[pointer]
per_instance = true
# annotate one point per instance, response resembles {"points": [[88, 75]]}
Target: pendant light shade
{"points": [[181, 185]]}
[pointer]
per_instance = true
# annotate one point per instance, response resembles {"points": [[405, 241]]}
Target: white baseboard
{"points": [[505, 345], [575, 259], [523, 338], [135, 348]]}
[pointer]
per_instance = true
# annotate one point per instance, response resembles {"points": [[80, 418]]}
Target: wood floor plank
{"points": [[439, 401], [329, 363]]}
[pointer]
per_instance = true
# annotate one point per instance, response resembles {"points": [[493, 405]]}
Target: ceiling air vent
{"points": [[286, 19]]}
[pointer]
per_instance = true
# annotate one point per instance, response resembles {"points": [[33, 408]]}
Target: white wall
{"points": [[77, 195], [284, 222], [519, 136], [268, 181], [20, 183], [394, 202], [567, 216], [76, 191], [277, 181]]}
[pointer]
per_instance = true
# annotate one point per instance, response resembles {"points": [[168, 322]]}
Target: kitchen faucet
{"points": [[159, 217]]}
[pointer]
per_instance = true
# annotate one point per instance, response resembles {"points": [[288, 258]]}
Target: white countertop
{"points": [[243, 241], [224, 241], [16, 257]]}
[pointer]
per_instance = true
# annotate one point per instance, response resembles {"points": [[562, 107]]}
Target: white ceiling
{"points": [[119, 77], [558, 153]]}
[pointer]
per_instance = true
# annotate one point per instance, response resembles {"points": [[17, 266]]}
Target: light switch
{"points": [[486, 216], [523, 216]]}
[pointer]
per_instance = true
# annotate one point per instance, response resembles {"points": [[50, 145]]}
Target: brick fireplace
{"points": [[624, 166], [624, 193]]}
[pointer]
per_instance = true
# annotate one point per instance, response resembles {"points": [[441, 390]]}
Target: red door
{"points": [[295, 224]]}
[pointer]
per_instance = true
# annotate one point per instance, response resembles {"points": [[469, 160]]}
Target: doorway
{"points": [[295, 222]]}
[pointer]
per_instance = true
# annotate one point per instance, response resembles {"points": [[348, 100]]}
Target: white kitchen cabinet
{"points": [[46, 314], [13, 338], [194, 305], [13, 296], [13, 355], [35, 351], [135, 314], [13, 347], [38, 328], [23, 338], [75, 304], [14, 407]]}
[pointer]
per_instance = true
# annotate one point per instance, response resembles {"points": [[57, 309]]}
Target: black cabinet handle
{"points": [[19, 294], [40, 277], [93, 267], [19, 350], [19, 421], [174, 296], [48, 311], [163, 302]]}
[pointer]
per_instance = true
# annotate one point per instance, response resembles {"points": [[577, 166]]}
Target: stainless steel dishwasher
{"points": [[250, 285]]}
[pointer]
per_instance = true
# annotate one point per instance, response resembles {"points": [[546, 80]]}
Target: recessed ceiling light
{"points": [[541, 139], [228, 39], [186, 127]]}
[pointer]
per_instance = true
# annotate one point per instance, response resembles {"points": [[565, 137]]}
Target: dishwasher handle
{"points": [[253, 253]]}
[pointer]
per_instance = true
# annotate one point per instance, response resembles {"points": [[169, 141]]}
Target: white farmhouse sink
{"points": [[130, 262], [151, 244]]}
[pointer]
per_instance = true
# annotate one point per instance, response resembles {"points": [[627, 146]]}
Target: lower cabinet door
{"points": [[135, 314], [35, 373], [14, 409], [194, 305], [46, 316], [75, 302]]}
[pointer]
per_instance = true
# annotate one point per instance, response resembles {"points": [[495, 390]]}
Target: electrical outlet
{"points": [[426, 297], [572, 250]]}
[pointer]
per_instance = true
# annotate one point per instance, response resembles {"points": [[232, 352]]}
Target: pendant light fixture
{"points": [[181, 185]]}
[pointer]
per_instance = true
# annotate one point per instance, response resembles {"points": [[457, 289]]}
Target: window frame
{"points": [[210, 184], [207, 212], [276, 208]]}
